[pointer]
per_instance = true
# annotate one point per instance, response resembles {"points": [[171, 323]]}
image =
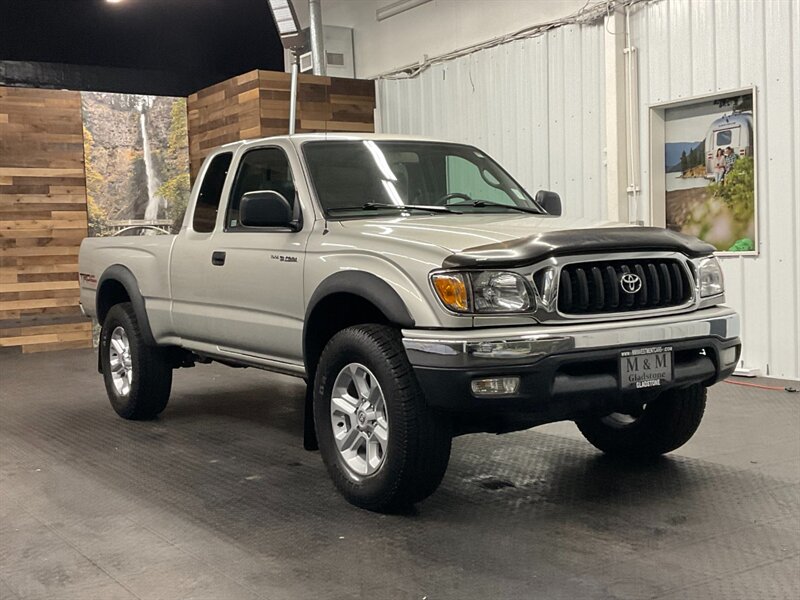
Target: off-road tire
{"points": [[419, 439], [152, 372], [664, 425]]}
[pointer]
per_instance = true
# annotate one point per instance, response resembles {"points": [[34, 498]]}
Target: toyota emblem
{"points": [[630, 283]]}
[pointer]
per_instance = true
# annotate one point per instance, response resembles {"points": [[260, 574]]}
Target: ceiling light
{"points": [[395, 8], [286, 22]]}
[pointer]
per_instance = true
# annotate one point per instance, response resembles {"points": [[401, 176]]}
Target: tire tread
{"points": [[424, 436], [666, 425], [152, 371]]}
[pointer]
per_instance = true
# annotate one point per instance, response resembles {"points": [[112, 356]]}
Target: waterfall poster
{"points": [[136, 150]]}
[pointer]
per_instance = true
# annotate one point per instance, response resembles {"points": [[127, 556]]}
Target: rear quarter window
{"points": [[205, 210]]}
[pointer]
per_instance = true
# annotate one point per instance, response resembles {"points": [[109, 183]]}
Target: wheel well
{"points": [[111, 292], [332, 314]]}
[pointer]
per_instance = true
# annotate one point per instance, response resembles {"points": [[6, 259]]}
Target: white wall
{"points": [[692, 48], [433, 28], [538, 106], [535, 105]]}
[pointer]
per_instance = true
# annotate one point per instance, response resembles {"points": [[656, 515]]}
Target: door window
{"points": [[260, 169], [207, 205]]}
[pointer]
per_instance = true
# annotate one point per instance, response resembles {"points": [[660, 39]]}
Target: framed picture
{"points": [[136, 156], [703, 169]]}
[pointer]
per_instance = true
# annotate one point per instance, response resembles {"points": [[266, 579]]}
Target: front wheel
{"points": [[138, 377], [657, 428], [383, 447]]}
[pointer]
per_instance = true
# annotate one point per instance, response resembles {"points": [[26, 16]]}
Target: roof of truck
{"points": [[304, 137]]}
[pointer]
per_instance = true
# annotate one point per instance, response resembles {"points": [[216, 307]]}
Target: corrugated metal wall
{"points": [[538, 107], [704, 46], [535, 105]]}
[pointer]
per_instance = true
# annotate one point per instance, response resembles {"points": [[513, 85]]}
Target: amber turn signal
{"points": [[452, 291]]}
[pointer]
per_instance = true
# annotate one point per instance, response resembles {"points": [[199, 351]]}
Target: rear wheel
{"points": [[657, 428], [383, 447], [138, 377]]}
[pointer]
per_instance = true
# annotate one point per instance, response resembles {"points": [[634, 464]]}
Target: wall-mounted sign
{"points": [[709, 171]]}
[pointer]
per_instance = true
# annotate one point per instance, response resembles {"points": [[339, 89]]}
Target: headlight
{"points": [[709, 277], [482, 292], [494, 291]]}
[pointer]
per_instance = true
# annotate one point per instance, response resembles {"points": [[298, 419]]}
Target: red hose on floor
{"points": [[774, 388]]}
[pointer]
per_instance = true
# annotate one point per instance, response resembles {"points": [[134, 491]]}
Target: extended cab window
{"points": [[260, 169], [205, 210]]}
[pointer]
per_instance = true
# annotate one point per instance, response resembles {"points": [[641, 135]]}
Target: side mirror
{"points": [[550, 201], [266, 208]]}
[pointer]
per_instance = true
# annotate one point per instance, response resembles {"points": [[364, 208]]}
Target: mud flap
{"points": [[309, 431]]}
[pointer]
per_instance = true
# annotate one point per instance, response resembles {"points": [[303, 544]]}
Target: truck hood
{"points": [[518, 239], [515, 240]]}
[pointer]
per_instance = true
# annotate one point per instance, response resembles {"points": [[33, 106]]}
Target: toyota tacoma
{"points": [[421, 293]]}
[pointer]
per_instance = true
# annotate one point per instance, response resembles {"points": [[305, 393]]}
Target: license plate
{"points": [[644, 368]]}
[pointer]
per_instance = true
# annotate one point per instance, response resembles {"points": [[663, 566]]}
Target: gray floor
{"points": [[217, 500]]}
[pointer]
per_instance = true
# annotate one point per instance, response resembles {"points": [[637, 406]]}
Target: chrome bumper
{"points": [[526, 345]]}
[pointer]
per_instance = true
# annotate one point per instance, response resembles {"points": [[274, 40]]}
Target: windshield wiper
{"points": [[485, 203], [382, 205]]}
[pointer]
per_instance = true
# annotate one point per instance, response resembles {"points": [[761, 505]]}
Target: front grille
{"points": [[595, 287]]}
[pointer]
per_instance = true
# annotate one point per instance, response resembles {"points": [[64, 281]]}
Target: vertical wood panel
{"points": [[42, 220]]}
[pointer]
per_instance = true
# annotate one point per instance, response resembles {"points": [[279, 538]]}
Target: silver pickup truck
{"points": [[421, 293]]}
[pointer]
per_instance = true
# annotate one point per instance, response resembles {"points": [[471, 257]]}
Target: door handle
{"points": [[218, 258]]}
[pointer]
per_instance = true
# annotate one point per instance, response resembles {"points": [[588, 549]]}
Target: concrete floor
{"points": [[217, 500]]}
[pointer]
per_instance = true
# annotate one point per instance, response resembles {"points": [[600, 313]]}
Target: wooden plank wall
{"points": [[42, 220], [256, 104]]}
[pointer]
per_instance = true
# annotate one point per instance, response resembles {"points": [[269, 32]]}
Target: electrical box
{"points": [[339, 56]]}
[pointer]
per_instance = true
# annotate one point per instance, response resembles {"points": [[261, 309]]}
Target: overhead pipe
{"points": [[632, 126], [317, 37]]}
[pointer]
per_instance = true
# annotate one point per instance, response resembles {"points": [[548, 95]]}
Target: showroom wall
{"points": [[406, 37], [42, 220], [692, 49], [538, 106], [74, 164]]}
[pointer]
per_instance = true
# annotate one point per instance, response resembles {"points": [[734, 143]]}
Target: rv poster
{"points": [[710, 171]]}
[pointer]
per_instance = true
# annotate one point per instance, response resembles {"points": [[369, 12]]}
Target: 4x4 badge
{"points": [[630, 283]]}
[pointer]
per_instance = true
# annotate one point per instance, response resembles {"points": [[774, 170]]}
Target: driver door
{"points": [[252, 278]]}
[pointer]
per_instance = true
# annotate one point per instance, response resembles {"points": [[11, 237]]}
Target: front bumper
{"points": [[565, 371]]}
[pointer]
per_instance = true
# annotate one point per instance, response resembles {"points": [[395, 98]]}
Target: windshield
{"points": [[366, 177]]}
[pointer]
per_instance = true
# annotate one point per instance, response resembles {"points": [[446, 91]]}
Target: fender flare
{"points": [[370, 287], [123, 276]]}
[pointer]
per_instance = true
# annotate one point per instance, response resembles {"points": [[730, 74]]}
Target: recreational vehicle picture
{"points": [[735, 131]]}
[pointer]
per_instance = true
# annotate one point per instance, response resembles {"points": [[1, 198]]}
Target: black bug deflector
{"points": [[528, 250]]}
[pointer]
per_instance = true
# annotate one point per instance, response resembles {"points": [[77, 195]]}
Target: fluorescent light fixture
{"points": [[113, 1], [286, 22], [395, 8]]}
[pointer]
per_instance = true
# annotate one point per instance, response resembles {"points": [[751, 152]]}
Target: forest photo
{"points": [[709, 172], [137, 161]]}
